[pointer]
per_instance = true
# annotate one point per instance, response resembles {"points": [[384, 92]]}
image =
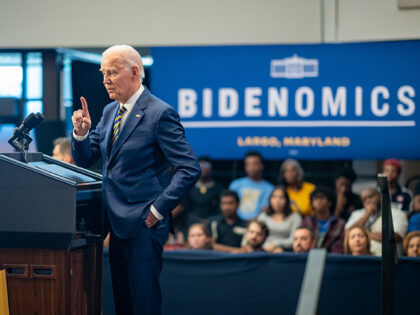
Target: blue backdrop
{"points": [[323, 101]]}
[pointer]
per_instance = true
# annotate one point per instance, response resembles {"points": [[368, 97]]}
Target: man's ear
{"points": [[135, 72], [68, 158]]}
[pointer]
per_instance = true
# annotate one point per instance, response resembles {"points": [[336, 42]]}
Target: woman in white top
{"points": [[281, 221]]}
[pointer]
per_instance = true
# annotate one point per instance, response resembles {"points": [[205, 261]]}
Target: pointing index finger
{"points": [[84, 107]]}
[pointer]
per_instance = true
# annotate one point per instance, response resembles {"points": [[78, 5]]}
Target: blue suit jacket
{"points": [[135, 170]]}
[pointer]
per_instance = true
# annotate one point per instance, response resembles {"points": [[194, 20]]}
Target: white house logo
{"points": [[294, 67]]}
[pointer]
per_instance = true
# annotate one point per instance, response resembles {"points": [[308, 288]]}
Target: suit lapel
{"points": [[134, 118]]}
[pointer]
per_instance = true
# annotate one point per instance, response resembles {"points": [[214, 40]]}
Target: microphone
{"points": [[30, 122], [20, 139]]}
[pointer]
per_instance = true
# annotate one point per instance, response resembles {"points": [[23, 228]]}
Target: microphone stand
{"points": [[20, 141]]}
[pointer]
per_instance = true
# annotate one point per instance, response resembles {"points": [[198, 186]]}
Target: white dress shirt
{"points": [[399, 220]]}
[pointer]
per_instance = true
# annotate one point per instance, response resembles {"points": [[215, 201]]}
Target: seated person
{"points": [[281, 221], [199, 237], [291, 174], [253, 190], [175, 241], [414, 221], [347, 201], [412, 244], [303, 240], [255, 236], [370, 217], [327, 229], [356, 241], [227, 228], [62, 150], [400, 196]]}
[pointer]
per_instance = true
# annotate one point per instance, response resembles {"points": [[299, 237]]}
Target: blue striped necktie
{"points": [[117, 124]]}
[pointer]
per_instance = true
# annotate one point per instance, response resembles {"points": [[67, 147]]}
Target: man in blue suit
{"points": [[138, 137]]}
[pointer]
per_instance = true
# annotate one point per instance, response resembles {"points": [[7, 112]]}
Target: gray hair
{"points": [[131, 57], [294, 163]]}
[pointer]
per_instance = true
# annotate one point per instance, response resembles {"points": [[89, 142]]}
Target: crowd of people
{"points": [[294, 215]]}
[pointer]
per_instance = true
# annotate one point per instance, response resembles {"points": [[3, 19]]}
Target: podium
{"points": [[51, 234]]}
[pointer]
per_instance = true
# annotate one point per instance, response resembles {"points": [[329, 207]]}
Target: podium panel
{"points": [[51, 233], [53, 281]]}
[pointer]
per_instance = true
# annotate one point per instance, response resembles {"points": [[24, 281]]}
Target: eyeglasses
{"points": [[370, 195]]}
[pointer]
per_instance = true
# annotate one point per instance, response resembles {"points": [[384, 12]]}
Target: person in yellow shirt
{"points": [[299, 191]]}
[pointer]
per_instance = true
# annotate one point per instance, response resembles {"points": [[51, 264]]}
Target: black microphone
{"points": [[30, 122], [20, 139]]}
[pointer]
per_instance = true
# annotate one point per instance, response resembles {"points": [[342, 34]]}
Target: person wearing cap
{"points": [[400, 196], [347, 201]]}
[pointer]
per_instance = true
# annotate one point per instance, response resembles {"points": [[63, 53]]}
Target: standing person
{"points": [[400, 196], [281, 221], [253, 190], [291, 173], [328, 230], [137, 137]]}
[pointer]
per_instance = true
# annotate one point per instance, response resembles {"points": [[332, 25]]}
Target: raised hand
{"points": [[81, 119], [370, 208]]}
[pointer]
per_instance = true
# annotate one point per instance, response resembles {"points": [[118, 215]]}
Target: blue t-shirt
{"points": [[414, 223], [323, 226], [254, 196]]}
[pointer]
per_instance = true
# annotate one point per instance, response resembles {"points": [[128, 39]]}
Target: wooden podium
{"points": [[51, 233]]}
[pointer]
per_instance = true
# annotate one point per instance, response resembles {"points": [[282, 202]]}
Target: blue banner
{"points": [[317, 101]]}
